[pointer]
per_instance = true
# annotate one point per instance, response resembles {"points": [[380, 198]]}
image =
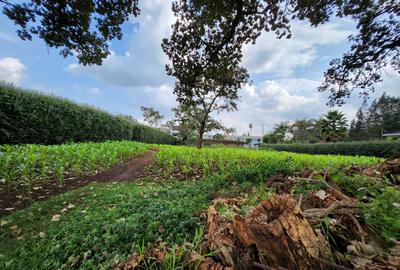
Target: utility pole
{"points": [[262, 130]]}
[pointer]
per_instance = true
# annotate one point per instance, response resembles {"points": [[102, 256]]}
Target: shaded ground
{"points": [[11, 200]]}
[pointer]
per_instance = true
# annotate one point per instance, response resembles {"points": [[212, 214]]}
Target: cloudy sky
{"points": [[284, 73]]}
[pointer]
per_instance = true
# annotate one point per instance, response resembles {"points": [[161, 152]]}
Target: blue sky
{"points": [[285, 73]]}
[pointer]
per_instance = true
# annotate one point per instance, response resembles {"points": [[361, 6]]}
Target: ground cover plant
{"points": [[100, 225], [25, 165]]}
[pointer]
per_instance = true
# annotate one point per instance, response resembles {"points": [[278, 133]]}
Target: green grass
{"points": [[29, 164], [106, 223]]}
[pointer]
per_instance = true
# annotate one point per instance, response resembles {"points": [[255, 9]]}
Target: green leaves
{"points": [[30, 164], [40, 119], [379, 148], [77, 27], [384, 213]]}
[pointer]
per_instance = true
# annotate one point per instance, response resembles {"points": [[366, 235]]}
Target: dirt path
{"points": [[11, 200]]}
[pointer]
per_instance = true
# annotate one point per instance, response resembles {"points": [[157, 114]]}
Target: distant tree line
{"points": [[383, 115]]}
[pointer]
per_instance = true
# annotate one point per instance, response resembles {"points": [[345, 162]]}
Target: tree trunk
{"points": [[200, 139], [201, 132]]}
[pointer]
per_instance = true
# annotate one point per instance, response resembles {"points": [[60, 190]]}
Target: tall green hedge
{"points": [[31, 117], [363, 148]]}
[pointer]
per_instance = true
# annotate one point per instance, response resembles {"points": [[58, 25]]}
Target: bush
{"points": [[31, 117], [362, 148]]}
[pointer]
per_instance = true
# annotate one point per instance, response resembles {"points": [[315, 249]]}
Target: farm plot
{"points": [[23, 166], [152, 224], [191, 161]]}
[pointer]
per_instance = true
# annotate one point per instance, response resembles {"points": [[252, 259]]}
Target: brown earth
{"points": [[11, 200]]}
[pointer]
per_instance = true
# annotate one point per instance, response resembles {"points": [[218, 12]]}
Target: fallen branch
{"points": [[337, 192], [359, 228], [337, 207], [263, 266], [331, 264]]}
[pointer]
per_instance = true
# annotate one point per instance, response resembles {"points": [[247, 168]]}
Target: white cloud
{"points": [[8, 37], [11, 70], [94, 91], [273, 101], [281, 56], [143, 63]]}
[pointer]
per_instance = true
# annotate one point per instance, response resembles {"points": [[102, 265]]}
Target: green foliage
{"points": [[28, 164], [364, 148], [242, 162], [142, 133], [361, 186], [382, 115], [334, 126], [30, 117], [278, 134], [105, 224], [151, 116], [303, 186], [80, 28], [384, 213]]}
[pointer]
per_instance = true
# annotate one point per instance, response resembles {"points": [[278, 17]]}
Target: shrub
{"points": [[362, 148], [31, 117]]}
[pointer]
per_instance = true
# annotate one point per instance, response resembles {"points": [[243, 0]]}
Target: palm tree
{"points": [[334, 126]]}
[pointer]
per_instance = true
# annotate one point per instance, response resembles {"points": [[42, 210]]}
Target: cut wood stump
{"points": [[275, 234]]}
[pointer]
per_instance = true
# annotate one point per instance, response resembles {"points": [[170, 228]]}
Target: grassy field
{"points": [[99, 225]]}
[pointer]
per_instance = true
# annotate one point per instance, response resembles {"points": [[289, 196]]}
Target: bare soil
{"points": [[12, 200]]}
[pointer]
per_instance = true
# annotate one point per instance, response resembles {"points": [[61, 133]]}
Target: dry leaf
{"points": [[321, 194], [70, 206], [4, 222], [42, 234], [56, 218]]}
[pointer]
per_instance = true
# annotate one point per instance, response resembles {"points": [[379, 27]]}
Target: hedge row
{"points": [[362, 148], [31, 117]]}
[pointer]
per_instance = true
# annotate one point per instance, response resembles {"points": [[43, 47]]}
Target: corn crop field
{"points": [[28, 164], [227, 160]]}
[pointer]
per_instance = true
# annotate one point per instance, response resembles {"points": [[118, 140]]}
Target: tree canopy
{"points": [[79, 27], [227, 25], [334, 126], [151, 116], [383, 115]]}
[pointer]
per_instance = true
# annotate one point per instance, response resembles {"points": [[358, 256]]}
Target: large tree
{"points": [[207, 78], [79, 27], [305, 130], [231, 24], [383, 115], [334, 126], [85, 26], [186, 118], [151, 116], [278, 134]]}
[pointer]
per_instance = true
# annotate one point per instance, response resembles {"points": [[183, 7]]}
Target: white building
{"points": [[249, 141]]}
